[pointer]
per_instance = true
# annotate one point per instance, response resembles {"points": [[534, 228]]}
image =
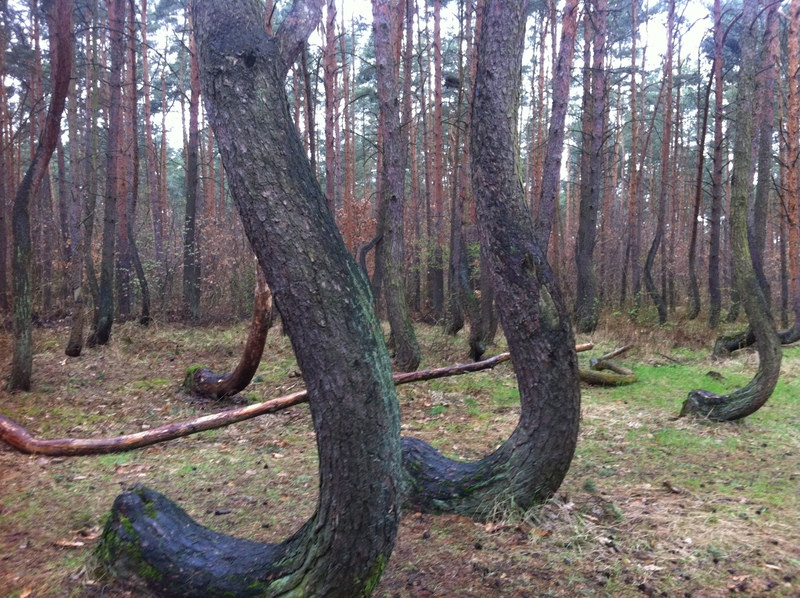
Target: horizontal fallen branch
{"points": [[21, 439]]}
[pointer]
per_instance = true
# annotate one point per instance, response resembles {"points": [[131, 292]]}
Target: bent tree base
{"points": [[151, 540]]}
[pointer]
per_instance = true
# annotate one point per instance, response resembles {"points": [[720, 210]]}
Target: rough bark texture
{"points": [[751, 397], [326, 308], [207, 384], [765, 83], [61, 60], [665, 185], [551, 175], [792, 186], [105, 312], [531, 464], [191, 247], [390, 250], [714, 291], [586, 301], [694, 287]]}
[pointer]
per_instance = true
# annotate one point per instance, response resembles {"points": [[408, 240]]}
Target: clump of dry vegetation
{"points": [[652, 505]]}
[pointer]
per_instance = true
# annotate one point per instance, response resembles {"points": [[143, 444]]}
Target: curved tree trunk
{"points": [[531, 464], [61, 61], [326, 307], [751, 397], [207, 384]]}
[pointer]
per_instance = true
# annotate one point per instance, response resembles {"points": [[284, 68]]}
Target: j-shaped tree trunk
{"points": [[326, 306], [751, 397], [207, 384], [531, 464]]}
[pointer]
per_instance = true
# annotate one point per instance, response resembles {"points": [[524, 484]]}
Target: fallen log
{"points": [[605, 372]]}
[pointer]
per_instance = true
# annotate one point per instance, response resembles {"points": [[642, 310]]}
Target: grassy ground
{"points": [[652, 505]]}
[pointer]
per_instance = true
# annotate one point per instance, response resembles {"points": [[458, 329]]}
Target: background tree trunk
{"points": [[191, 247], [659, 298], [714, 291], [61, 51], [390, 250], [116, 24], [586, 304]]}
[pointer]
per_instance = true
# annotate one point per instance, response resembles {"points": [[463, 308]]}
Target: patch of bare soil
{"points": [[651, 507]]}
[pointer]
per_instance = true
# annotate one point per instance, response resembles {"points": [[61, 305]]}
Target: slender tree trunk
{"points": [[116, 24], [459, 289], [133, 134], [633, 237], [331, 104], [74, 212], [6, 165], [436, 264], [61, 52], [390, 250], [714, 291], [586, 305], [151, 160], [694, 287], [665, 184], [551, 176], [191, 246], [765, 83]]}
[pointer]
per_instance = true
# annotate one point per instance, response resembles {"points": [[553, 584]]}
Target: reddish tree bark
{"points": [[61, 52], [209, 385]]}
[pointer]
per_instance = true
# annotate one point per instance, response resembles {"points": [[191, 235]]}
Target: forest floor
{"points": [[653, 505]]}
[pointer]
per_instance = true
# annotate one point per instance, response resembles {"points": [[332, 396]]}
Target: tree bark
{"points": [[531, 464], [390, 250], [551, 176], [61, 53], [694, 287], [326, 308], [207, 384], [586, 304], [751, 397], [659, 298], [191, 245], [714, 291], [765, 85], [116, 22], [331, 104]]}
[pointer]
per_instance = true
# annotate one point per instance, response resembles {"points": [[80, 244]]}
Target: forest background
{"points": [[179, 251]]}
